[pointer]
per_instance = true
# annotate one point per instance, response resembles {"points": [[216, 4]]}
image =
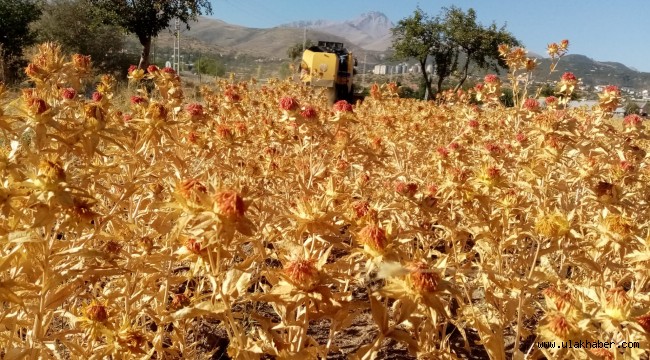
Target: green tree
{"points": [[15, 34], [444, 38], [210, 66], [632, 108], [478, 43], [295, 51], [78, 27], [147, 18], [546, 90], [418, 37], [507, 98]]}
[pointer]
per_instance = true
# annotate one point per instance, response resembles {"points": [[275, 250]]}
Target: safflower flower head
{"points": [[373, 238], [303, 273], [342, 106]]}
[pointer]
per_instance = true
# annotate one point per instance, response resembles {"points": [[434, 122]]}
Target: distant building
{"points": [[380, 70], [580, 103]]}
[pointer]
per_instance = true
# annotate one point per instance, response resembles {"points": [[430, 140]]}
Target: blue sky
{"points": [[605, 30]]}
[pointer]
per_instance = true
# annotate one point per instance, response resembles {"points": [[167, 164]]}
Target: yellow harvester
{"points": [[329, 65]]}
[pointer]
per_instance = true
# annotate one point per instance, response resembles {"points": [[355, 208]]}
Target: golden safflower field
{"points": [[443, 229]]}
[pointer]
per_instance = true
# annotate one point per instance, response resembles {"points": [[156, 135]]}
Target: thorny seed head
{"points": [[303, 273], [342, 106], [52, 171], [373, 237], [37, 105], [193, 137], [192, 190], [230, 204], [342, 164], [94, 115], [617, 303], [137, 100], [493, 172], [157, 111], [180, 301], [361, 208], [569, 77], [560, 326], [309, 112], [618, 225], [564, 44], [194, 246], [632, 120], [224, 132], [442, 151], [231, 95], [406, 189], [81, 62], [194, 109], [96, 312], [560, 299], [289, 103], [422, 278], [552, 225], [68, 93], [531, 105], [491, 79]]}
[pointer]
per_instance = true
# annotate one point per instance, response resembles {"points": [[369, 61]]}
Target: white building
{"points": [[380, 70]]}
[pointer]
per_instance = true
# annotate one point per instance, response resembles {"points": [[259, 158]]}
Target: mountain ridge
{"points": [[357, 34], [369, 31]]}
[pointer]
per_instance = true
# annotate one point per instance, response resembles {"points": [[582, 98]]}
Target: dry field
{"points": [[263, 223]]}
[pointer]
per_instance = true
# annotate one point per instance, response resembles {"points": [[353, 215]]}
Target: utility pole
{"points": [[176, 61], [304, 40], [363, 76]]}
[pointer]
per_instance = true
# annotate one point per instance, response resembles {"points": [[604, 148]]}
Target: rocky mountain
{"points": [[370, 31]]}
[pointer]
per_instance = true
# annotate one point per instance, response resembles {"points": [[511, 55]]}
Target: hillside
{"points": [[370, 31], [594, 72], [216, 35], [368, 35]]}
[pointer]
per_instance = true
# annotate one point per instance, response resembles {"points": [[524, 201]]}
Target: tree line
{"points": [[90, 27], [450, 42]]}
